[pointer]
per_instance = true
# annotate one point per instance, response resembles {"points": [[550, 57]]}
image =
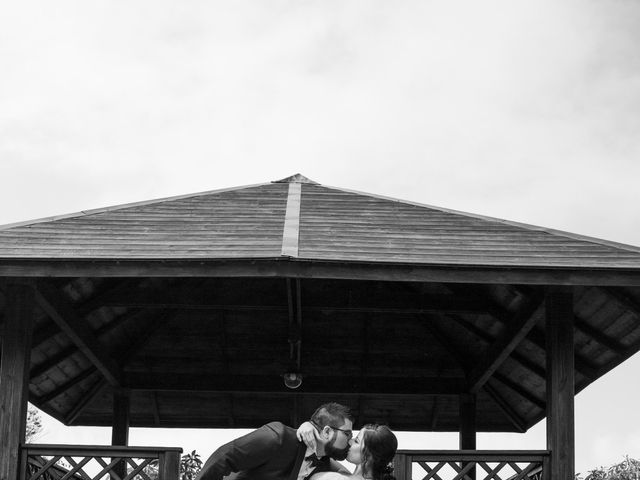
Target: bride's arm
{"points": [[307, 433]]}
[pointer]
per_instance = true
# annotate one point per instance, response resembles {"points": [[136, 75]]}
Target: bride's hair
{"points": [[380, 445]]}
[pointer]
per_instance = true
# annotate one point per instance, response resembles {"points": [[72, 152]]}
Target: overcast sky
{"points": [[525, 110]]}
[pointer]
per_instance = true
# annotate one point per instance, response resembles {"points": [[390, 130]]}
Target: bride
{"points": [[371, 452]]}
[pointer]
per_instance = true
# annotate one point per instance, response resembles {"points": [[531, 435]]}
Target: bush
{"points": [[34, 424], [629, 469], [190, 465]]}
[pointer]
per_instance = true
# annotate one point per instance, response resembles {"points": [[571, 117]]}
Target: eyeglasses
{"points": [[348, 433]]}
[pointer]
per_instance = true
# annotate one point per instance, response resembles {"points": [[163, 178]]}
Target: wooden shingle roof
{"points": [[297, 218]]}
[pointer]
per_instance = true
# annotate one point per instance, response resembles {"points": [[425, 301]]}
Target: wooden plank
{"points": [[64, 354], [560, 382], [311, 385], [291, 229], [516, 420], [480, 333], [624, 299], [47, 397], [62, 312], [514, 332], [279, 267], [603, 339], [14, 364], [520, 390], [85, 400]]}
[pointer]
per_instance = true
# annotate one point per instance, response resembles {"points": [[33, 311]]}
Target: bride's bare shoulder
{"points": [[333, 476]]}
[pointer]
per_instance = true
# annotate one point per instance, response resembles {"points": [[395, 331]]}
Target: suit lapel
{"points": [[299, 458]]}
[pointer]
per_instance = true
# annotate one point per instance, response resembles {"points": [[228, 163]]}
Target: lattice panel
{"points": [[484, 470], [63, 467]]}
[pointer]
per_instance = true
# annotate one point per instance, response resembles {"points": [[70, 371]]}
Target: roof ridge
{"points": [[94, 211], [296, 178], [537, 228]]}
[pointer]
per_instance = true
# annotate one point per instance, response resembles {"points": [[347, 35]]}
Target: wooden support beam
{"points": [[156, 409], [623, 298], [536, 337], [435, 410], [486, 337], [520, 390], [120, 426], [602, 338], [506, 343], [14, 364], [76, 328], [85, 400], [582, 364], [513, 416], [295, 268], [311, 385], [560, 382], [47, 397], [467, 404], [64, 354], [44, 333], [121, 416]]}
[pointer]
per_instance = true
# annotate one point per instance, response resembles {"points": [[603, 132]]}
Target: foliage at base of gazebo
{"points": [[629, 469]]}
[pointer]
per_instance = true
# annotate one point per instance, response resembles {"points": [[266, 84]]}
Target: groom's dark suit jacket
{"points": [[271, 452]]}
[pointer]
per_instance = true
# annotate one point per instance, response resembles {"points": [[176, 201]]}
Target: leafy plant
{"points": [[34, 424], [190, 465], [629, 469]]}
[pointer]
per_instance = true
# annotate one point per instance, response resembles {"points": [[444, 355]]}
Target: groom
{"points": [[273, 451]]}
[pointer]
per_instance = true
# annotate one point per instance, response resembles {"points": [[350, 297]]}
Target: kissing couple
{"points": [[277, 452]]}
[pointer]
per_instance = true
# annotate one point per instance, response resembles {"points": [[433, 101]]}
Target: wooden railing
{"points": [[471, 465], [82, 462]]}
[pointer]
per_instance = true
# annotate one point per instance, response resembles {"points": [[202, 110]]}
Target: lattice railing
{"points": [[471, 465], [81, 462]]}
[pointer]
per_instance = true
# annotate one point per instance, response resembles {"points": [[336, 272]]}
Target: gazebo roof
{"points": [[298, 218], [196, 304]]}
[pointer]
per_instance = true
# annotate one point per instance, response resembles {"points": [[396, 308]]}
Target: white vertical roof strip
{"points": [[291, 229]]}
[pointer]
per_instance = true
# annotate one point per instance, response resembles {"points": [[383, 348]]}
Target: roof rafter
{"points": [[509, 412], [84, 401], [623, 298], [64, 354], [520, 390], [516, 330], [78, 330], [47, 397]]}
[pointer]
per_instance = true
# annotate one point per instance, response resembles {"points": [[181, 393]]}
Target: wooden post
{"points": [[560, 382], [467, 404], [467, 421], [14, 376], [402, 466], [169, 466], [120, 428]]}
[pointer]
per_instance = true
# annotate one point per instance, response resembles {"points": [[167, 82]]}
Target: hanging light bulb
{"points": [[292, 379]]}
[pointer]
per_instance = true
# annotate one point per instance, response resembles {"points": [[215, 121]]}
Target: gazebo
{"points": [[236, 307]]}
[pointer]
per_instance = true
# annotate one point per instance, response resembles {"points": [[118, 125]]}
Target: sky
{"points": [[523, 110]]}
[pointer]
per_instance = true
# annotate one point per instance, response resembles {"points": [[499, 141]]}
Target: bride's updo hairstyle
{"points": [[380, 445]]}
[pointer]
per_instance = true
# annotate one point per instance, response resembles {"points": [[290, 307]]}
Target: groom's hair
{"points": [[332, 414]]}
